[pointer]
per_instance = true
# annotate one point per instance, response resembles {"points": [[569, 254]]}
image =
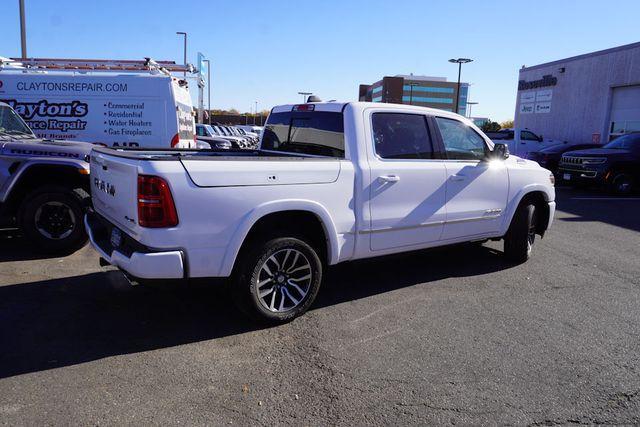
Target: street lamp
{"points": [[304, 96], [185, 48], [411, 85], [23, 31], [471, 104], [208, 88], [254, 116], [459, 61]]}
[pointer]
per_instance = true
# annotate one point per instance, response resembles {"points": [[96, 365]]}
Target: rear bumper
{"points": [[134, 258]]}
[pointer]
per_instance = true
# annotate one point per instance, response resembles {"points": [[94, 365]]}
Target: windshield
{"points": [[625, 142], [210, 130], [12, 124]]}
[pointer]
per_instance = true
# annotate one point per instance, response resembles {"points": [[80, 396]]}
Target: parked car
{"points": [[252, 128], [549, 157], [521, 142], [332, 182], [616, 165], [254, 137], [44, 185], [237, 143], [206, 135]]}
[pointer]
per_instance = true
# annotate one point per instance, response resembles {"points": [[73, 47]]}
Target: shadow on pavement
{"points": [[597, 205], [62, 322], [14, 247]]}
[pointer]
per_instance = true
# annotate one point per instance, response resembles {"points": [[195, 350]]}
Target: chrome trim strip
{"points": [[428, 224]]}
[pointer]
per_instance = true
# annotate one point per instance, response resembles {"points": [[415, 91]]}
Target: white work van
{"points": [[118, 104]]}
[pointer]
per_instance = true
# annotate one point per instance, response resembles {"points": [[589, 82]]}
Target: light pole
{"points": [[411, 85], [208, 88], [304, 96], [23, 31], [185, 48], [254, 116], [470, 104], [459, 61]]}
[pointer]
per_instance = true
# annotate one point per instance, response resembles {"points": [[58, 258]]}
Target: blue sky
{"points": [[269, 50]]}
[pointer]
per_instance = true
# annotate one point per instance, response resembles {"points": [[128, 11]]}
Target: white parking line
{"points": [[606, 198]]}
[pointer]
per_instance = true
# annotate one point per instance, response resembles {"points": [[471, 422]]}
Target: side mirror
{"points": [[540, 139], [500, 151]]}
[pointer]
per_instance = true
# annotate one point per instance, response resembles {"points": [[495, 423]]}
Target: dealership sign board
{"points": [[544, 95], [527, 97], [536, 101], [543, 107], [545, 81]]}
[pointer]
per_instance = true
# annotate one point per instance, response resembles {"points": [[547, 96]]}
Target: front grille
{"points": [[571, 160]]}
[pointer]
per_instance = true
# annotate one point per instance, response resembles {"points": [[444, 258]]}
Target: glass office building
{"points": [[434, 92]]}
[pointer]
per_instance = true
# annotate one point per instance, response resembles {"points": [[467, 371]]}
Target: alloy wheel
{"points": [[284, 280]]}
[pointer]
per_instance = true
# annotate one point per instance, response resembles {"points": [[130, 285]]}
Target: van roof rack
{"points": [[102, 65]]}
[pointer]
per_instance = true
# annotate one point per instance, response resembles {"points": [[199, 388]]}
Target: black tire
{"points": [[52, 217], [622, 184], [291, 255], [519, 240]]}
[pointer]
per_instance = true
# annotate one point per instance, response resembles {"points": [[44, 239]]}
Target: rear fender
{"points": [[260, 211]]}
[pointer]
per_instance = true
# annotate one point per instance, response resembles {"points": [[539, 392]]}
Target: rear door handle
{"points": [[458, 177], [388, 178]]}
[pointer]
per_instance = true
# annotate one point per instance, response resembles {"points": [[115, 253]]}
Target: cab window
{"points": [[318, 133], [401, 136], [525, 135], [460, 141]]}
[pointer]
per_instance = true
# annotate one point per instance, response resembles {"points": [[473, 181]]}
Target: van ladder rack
{"points": [[148, 64]]}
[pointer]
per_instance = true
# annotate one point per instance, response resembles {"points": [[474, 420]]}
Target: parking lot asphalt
{"points": [[453, 335]]}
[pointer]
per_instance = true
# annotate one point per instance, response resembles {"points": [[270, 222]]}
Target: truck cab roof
{"points": [[360, 106]]}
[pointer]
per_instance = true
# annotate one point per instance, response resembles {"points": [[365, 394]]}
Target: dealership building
{"points": [[434, 92], [587, 98]]}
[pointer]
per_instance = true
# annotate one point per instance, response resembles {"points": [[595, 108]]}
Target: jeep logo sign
{"points": [[104, 186]]}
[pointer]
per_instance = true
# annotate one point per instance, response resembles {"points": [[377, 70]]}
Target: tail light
{"points": [[156, 208], [175, 140]]}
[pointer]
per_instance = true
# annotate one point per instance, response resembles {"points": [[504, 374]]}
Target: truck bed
{"points": [[193, 154]]}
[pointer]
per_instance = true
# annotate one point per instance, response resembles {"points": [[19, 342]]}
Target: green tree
{"points": [[506, 124], [490, 126]]}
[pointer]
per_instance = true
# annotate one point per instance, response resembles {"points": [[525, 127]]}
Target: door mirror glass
{"points": [[500, 151]]}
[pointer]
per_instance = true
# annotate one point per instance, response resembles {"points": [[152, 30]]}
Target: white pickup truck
{"points": [[331, 182]]}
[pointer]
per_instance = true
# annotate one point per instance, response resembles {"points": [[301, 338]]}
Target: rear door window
{"points": [[401, 136], [319, 133]]}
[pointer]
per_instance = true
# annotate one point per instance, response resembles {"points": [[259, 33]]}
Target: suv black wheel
{"points": [[278, 280], [519, 240], [622, 183], [52, 218]]}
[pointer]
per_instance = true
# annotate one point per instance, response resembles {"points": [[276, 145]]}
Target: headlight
{"points": [[593, 160]]}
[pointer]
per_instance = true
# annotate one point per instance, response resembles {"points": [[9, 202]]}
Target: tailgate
{"points": [[114, 189]]}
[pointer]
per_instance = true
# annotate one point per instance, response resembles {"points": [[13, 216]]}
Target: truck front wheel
{"points": [[518, 242], [278, 280], [52, 218]]}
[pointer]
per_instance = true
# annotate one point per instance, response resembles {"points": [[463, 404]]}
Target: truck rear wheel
{"points": [[278, 280], [52, 218], [519, 240]]}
